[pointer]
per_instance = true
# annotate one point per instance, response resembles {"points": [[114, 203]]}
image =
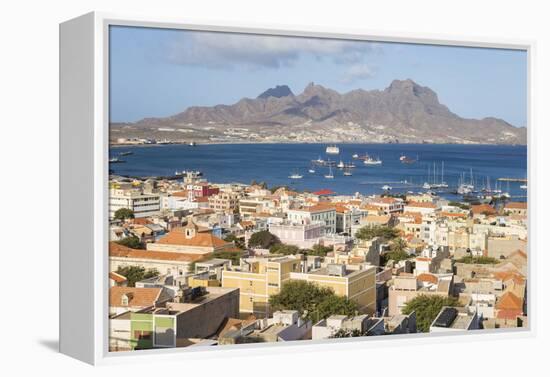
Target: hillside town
{"points": [[198, 263]]}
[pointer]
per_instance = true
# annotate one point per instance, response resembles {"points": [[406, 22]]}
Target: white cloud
{"points": [[357, 72], [226, 50]]}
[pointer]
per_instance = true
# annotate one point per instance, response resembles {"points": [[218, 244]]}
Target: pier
{"points": [[506, 179]]}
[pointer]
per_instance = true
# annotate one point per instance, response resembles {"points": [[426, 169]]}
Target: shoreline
{"points": [[114, 146]]}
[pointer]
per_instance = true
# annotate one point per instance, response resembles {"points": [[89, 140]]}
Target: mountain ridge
{"points": [[402, 112]]}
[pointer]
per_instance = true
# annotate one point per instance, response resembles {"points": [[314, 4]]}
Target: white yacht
{"points": [[332, 149], [295, 176], [386, 188], [372, 161]]}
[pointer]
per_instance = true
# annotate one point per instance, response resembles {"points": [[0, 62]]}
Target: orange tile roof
{"points": [[480, 208], [423, 259], [509, 301], [116, 250], [321, 207], [137, 297], [519, 253], [177, 237], [181, 194], [428, 278], [341, 208], [117, 277], [142, 221], [382, 219], [509, 275], [452, 214], [370, 207], [516, 205], [385, 200]]}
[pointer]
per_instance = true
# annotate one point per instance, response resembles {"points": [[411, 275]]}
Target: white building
{"points": [[301, 235], [143, 205], [318, 213]]}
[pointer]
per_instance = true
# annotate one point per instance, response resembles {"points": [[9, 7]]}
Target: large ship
{"points": [[332, 149]]}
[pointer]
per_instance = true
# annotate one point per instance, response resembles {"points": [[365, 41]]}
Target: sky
{"points": [[161, 72]]}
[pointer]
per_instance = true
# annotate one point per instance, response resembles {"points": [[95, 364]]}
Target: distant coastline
{"points": [[129, 145]]}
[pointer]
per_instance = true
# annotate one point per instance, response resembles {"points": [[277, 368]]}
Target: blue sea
{"points": [[273, 163]]}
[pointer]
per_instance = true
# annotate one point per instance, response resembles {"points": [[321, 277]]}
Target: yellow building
{"points": [[356, 282], [258, 278]]}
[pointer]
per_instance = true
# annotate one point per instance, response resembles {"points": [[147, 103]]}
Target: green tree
{"points": [[136, 273], [477, 260], [347, 333], [397, 252], [369, 232], [233, 256], [239, 242], [123, 214], [459, 205], [131, 242], [319, 250], [334, 304], [310, 300], [263, 239], [284, 249], [427, 308]]}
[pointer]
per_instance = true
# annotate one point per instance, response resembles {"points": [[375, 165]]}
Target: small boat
{"points": [[523, 187], [115, 160], [386, 188], [295, 176], [127, 153], [347, 172], [340, 165], [351, 165], [319, 161], [332, 149], [426, 186], [372, 161], [355, 156], [406, 160], [192, 144], [329, 175], [311, 170]]}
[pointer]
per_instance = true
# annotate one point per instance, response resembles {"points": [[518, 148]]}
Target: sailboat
{"points": [[296, 175], [441, 184], [329, 175], [347, 172]]}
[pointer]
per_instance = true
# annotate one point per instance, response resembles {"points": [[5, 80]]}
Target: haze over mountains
{"points": [[403, 112]]}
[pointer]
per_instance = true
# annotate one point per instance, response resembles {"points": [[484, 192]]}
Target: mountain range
{"points": [[404, 112]]}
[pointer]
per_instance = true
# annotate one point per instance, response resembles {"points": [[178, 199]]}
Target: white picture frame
{"points": [[84, 99]]}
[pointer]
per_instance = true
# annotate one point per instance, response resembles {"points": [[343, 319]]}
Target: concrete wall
{"points": [[204, 320]]}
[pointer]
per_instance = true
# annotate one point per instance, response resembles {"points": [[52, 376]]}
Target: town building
{"points": [[356, 282], [142, 205]]}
